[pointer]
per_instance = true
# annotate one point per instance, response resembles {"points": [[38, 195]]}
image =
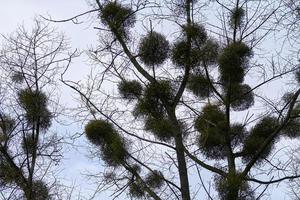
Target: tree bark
{"points": [[183, 175]]}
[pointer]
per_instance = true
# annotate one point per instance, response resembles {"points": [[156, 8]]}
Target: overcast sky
{"points": [[18, 12]]}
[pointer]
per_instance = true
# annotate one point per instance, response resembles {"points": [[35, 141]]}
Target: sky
{"points": [[22, 12]]}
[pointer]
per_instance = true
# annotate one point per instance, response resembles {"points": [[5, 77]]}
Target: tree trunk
{"points": [[183, 175]]}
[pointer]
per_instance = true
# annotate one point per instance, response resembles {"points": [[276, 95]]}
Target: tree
{"points": [[289, 19], [30, 62], [178, 96]]}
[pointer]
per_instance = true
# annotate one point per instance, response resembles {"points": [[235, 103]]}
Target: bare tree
{"points": [[30, 64]]}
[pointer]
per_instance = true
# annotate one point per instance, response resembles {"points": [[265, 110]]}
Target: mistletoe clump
{"points": [[233, 62], [200, 49], [287, 97], [162, 128], [241, 96], [155, 179], [118, 17], [136, 168], [211, 125], [114, 153], [149, 107], [232, 183], [152, 107], [154, 49], [238, 133], [6, 126], [292, 127], [199, 85], [257, 136], [35, 105], [210, 51], [196, 32], [99, 131], [136, 189], [237, 17], [183, 54], [8, 175], [155, 96], [112, 145], [17, 77], [40, 191], [130, 89]]}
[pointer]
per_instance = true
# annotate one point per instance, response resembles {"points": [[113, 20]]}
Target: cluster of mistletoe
{"points": [[26, 148], [114, 151], [218, 138], [36, 114]]}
